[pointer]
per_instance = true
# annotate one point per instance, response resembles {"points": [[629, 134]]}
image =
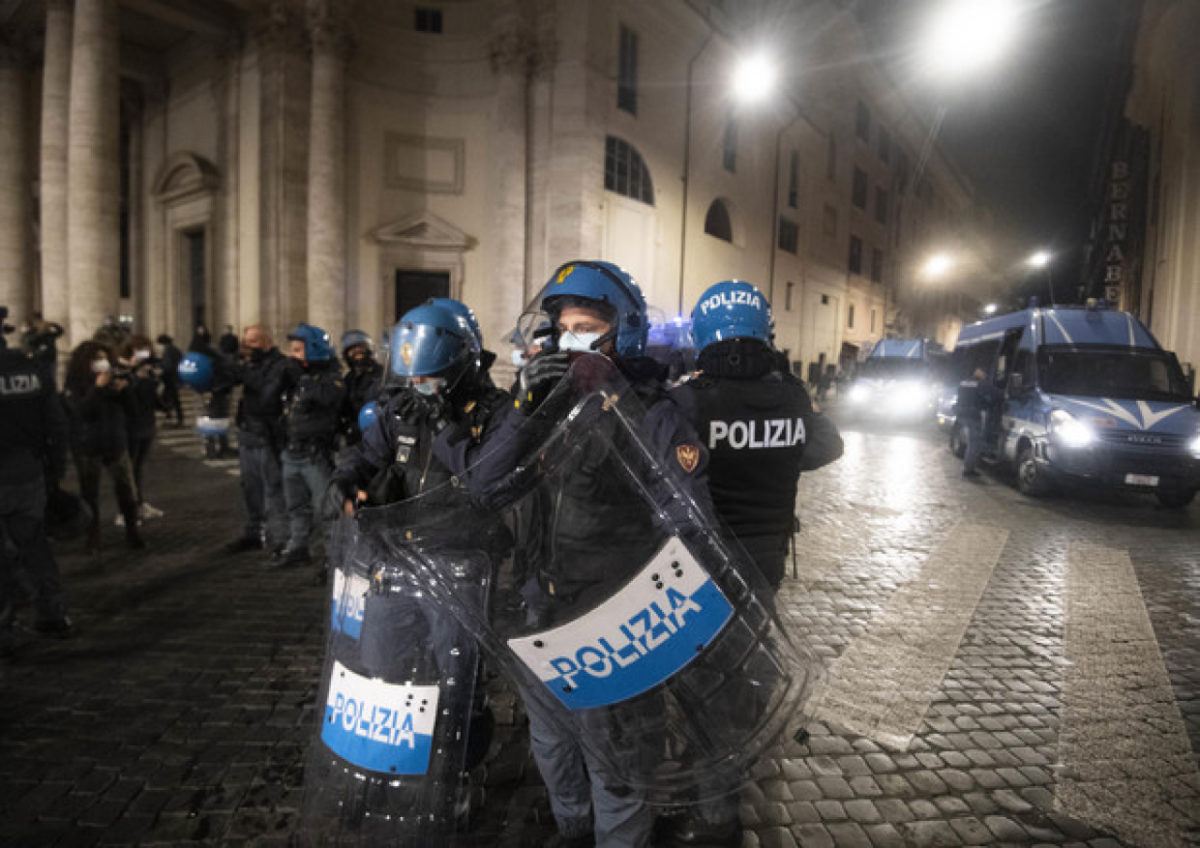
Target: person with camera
{"points": [[100, 405], [33, 437], [137, 356]]}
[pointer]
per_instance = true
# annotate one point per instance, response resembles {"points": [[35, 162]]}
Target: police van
{"points": [[1088, 395], [895, 381]]}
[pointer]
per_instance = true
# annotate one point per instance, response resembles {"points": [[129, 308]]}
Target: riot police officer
{"points": [[600, 531], [263, 372], [761, 431], [312, 410], [363, 376], [975, 412], [33, 442], [486, 357]]}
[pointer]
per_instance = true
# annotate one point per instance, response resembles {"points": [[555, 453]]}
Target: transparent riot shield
{"points": [[397, 701], [640, 632]]}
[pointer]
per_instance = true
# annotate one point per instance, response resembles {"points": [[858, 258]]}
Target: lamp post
{"points": [[1042, 259]]}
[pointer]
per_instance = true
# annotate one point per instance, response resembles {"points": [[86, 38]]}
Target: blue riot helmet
{"points": [[463, 311], [732, 309], [603, 286], [367, 415], [316, 342], [430, 341]]}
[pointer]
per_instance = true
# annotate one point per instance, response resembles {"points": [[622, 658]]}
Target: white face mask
{"points": [[431, 387], [518, 358], [580, 341], [101, 366]]}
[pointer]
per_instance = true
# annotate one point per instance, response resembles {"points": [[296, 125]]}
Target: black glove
{"points": [[415, 408], [538, 378]]}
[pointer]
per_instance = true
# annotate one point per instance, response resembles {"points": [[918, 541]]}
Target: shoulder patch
{"points": [[688, 457]]}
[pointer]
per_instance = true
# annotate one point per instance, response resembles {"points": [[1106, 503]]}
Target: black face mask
{"points": [[257, 354]]}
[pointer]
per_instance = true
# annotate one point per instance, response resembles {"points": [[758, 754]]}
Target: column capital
{"points": [[329, 25]]}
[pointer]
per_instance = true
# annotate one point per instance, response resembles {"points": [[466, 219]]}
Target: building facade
{"points": [[238, 161]]}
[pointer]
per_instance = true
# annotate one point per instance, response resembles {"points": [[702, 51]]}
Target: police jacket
{"points": [[395, 459], [265, 378], [312, 405], [33, 426], [974, 398], [758, 424], [362, 386], [594, 529]]}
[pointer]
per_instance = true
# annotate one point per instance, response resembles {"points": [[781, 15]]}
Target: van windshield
{"points": [[1114, 373], [893, 368]]}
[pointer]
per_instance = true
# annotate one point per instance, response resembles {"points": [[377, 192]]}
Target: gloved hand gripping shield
{"points": [[638, 630], [397, 702]]}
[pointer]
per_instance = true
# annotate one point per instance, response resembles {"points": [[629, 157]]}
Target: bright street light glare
{"points": [[1040, 259], [754, 78], [990, 309], [966, 35], [937, 265]]}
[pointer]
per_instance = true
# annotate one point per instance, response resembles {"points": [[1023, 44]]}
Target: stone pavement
{"points": [[998, 671]]}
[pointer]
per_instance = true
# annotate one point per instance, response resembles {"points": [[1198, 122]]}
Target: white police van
{"points": [[1088, 395], [895, 382]]}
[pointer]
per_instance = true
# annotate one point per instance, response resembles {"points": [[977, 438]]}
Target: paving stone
{"points": [[1005, 829], [972, 831], [880, 763], [849, 835], [894, 810], [930, 834], [830, 810], [803, 812], [884, 836], [835, 787]]}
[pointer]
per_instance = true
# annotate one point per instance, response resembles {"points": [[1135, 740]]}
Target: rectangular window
{"points": [[872, 320], [862, 122], [789, 235], [850, 317], [881, 205], [627, 71], [729, 146], [859, 193], [831, 158], [829, 221], [427, 20], [885, 145], [876, 265], [794, 180], [787, 303], [855, 262]]}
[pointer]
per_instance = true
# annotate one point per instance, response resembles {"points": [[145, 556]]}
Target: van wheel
{"points": [[1031, 480], [1175, 498], [958, 440]]}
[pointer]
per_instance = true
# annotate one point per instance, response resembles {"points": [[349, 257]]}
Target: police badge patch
{"points": [[688, 456], [406, 353]]}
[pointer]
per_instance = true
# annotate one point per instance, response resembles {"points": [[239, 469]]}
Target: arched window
{"points": [[717, 222], [625, 171]]}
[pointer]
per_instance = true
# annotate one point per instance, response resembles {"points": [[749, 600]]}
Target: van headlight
{"points": [[858, 393], [1194, 446], [1070, 430]]}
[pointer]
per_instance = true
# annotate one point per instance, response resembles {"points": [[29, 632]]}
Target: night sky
{"points": [[1026, 132]]}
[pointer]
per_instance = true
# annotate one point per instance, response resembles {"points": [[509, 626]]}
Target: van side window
{"points": [[1027, 367]]}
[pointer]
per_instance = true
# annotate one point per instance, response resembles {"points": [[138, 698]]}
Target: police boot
{"points": [[133, 539]]}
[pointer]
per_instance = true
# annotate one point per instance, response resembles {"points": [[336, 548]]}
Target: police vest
{"points": [[755, 431], [24, 386]]}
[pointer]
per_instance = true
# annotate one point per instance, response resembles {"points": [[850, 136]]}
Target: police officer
{"points": [[312, 411], [363, 375], [756, 419], [761, 431], [434, 367], [601, 530], [33, 443], [973, 411], [263, 372], [486, 357]]}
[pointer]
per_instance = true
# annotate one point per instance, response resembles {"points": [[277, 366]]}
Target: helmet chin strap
{"points": [[611, 335]]}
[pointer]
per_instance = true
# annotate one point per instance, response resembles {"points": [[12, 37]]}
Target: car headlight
{"points": [[1194, 446], [1070, 430]]}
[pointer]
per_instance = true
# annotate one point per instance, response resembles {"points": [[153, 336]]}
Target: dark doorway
{"points": [[415, 287], [195, 274]]}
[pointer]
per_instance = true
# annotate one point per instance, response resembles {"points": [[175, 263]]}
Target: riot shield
{"points": [[397, 701], [641, 631]]}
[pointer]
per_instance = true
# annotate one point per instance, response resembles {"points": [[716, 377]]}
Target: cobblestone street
{"points": [[999, 670]]}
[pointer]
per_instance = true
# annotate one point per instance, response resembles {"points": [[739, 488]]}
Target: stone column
{"points": [[56, 87], [93, 184], [16, 277], [326, 167], [228, 97]]}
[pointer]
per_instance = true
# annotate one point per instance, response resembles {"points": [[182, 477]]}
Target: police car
{"points": [[1088, 395], [895, 382]]}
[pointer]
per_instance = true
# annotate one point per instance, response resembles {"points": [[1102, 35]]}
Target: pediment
{"points": [[424, 230], [184, 174]]}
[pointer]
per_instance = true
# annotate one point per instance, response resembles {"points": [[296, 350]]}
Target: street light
{"points": [[965, 36], [1041, 259], [990, 309], [754, 78], [937, 266]]}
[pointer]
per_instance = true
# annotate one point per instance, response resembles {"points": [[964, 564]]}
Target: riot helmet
{"points": [[316, 342], [605, 289], [430, 346], [463, 311], [733, 309]]}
